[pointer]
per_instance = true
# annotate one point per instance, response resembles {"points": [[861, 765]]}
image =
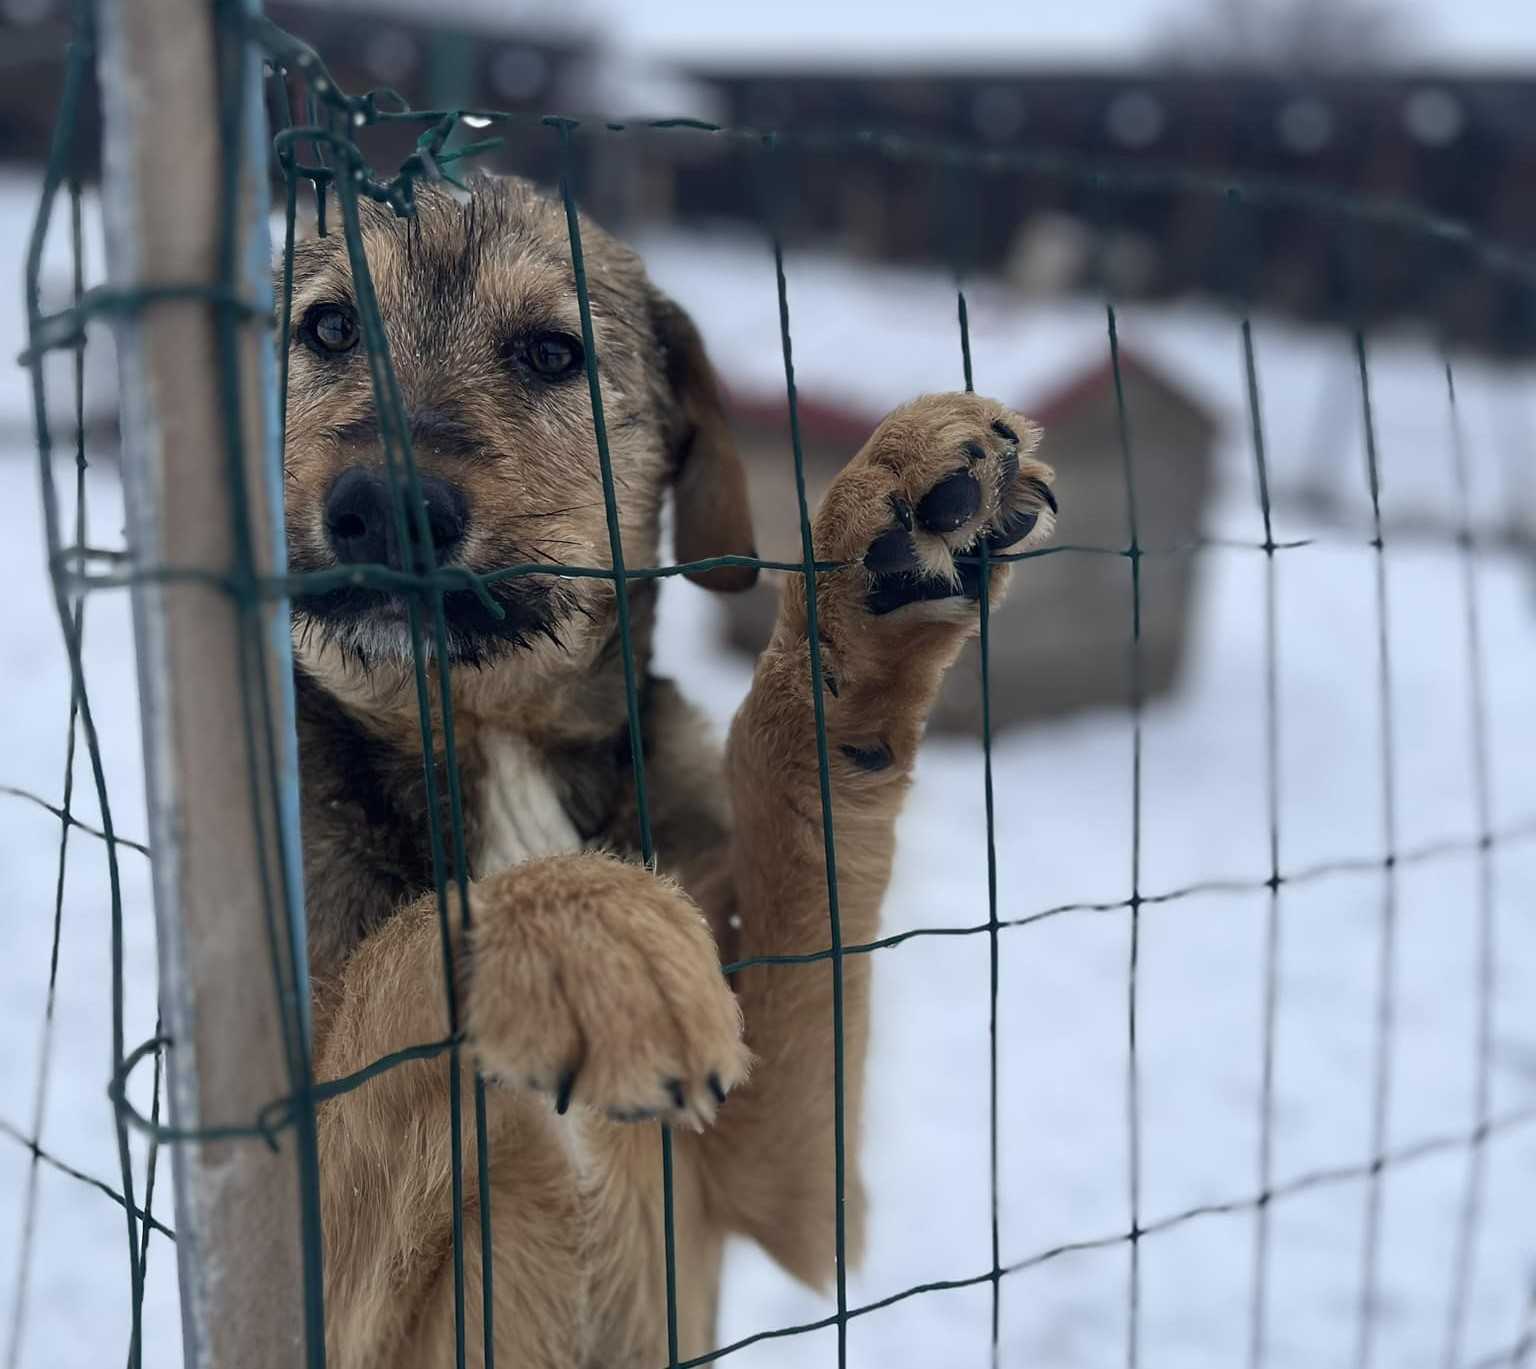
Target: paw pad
{"points": [[950, 504], [907, 560], [891, 552]]}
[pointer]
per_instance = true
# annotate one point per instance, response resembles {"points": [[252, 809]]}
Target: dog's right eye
{"points": [[555, 355], [329, 329]]}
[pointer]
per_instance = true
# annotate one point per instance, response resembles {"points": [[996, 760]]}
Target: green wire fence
{"points": [[322, 153]]}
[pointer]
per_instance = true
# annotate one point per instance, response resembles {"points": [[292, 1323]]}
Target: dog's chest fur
{"points": [[521, 815]]}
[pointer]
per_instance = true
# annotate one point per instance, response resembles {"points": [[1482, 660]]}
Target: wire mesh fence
{"points": [[321, 152]]}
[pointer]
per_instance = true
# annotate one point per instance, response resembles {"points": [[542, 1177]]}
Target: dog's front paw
{"points": [[942, 477], [598, 982]]}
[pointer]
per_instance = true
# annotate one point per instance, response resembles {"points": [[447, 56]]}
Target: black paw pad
{"points": [[951, 503], [891, 592], [869, 758], [892, 551], [974, 452], [1003, 430]]}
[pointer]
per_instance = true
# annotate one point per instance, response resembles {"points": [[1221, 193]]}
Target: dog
{"points": [[589, 985]]}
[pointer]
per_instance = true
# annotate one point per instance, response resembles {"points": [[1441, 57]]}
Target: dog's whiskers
{"points": [[551, 513]]}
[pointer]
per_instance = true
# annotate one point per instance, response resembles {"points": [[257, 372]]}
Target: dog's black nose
{"points": [[361, 523]]}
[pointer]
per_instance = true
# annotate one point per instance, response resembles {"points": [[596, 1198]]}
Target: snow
{"points": [[1063, 836]]}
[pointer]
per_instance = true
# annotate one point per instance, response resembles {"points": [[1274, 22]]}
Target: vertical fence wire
{"points": [[409, 511], [1259, 1306], [1470, 1219], [631, 678], [313, 1273], [1386, 969], [1525, 1346], [984, 647], [824, 777], [62, 151], [1133, 555], [66, 821]]}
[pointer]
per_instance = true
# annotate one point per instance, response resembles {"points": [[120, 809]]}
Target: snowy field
{"points": [[1064, 829]]}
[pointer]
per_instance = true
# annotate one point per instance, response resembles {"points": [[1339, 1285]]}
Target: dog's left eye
{"points": [[330, 329], [554, 355]]}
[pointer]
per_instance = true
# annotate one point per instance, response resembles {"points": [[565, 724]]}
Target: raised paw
{"points": [[941, 479], [598, 983]]}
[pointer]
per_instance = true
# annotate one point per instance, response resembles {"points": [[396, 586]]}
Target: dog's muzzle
{"points": [[369, 621], [363, 524]]}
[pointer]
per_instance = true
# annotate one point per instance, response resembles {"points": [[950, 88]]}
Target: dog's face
{"points": [[483, 330]]}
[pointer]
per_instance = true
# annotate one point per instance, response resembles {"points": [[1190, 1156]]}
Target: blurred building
{"points": [[1028, 200], [1066, 179], [1062, 640], [433, 58]]}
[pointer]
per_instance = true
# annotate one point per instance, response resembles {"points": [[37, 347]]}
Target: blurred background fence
{"points": [[1296, 961]]}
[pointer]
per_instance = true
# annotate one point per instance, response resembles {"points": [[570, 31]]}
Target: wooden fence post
{"points": [[213, 656]]}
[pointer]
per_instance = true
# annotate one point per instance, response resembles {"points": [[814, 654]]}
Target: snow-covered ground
{"points": [[1064, 829]]}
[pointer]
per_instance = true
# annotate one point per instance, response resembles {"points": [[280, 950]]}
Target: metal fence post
{"points": [[223, 808]]}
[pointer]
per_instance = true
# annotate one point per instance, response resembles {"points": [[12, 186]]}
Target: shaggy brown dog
{"points": [[590, 986]]}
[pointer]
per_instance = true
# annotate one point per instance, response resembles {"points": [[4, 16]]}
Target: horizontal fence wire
{"points": [[324, 154], [1303, 1184]]}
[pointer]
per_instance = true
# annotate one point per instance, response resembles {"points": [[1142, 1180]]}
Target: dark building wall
{"points": [[1116, 152]]}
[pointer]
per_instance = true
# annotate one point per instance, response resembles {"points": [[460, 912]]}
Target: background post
{"points": [[186, 199]]}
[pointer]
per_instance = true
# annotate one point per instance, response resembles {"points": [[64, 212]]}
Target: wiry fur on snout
{"points": [[462, 288]]}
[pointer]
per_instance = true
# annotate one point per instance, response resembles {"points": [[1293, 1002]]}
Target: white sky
{"points": [[1484, 33]]}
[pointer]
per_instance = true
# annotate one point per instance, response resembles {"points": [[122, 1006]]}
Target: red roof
{"points": [[835, 421], [821, 419], [1059, 403]]}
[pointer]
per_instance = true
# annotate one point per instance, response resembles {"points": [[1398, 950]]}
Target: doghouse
{"points": [[1062, 640]]}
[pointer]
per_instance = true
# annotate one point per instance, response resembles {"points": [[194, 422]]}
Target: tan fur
{"points": [[586, 973]]}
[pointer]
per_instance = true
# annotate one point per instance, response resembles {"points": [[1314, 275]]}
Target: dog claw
{"points": [[1003, 430], [717, 1088], [678, 1093], [563, 1092], [951, 503], [869, 758], [1015, 528], [1045, 492]]}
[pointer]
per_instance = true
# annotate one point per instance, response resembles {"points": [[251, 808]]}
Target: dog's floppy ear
{"points": [[709, 486]]}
